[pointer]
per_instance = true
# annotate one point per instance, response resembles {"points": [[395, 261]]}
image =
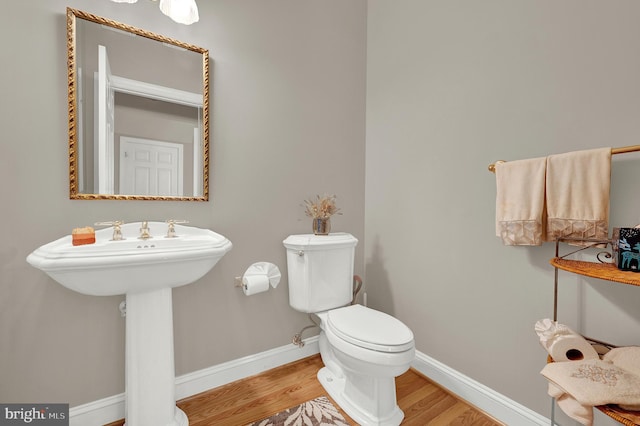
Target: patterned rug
{"points": [[317, 412]]}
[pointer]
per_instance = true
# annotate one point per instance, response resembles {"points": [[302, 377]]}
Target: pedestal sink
{"points": [[145, 271]]}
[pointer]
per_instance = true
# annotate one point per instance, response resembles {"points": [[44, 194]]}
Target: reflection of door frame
{"points": [[104, 150], [198, 166], [125, 141], [80, 135], [154, 91]]}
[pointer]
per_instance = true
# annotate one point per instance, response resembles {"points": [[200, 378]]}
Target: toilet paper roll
{"points": [[572, 347], [253, 284]]}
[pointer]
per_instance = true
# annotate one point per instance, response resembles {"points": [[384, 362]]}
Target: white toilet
{"points": [[363, 350]]}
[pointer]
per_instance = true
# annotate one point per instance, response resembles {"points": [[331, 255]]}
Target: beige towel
{"points": [[577, 194], [627, 358], [570, 406], [520, 189], [594, 382]]}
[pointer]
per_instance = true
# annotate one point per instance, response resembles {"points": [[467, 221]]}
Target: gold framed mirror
{"points": [[138, 113]]}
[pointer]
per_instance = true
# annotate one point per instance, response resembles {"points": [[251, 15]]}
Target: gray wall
{"points": [[287, 119], [453, 86]]}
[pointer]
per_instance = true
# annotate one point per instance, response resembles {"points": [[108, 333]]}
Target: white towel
{"points": [[577, 194], [520, 189]]}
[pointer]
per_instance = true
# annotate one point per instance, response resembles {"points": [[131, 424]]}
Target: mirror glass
{"points": [[138, 113]]}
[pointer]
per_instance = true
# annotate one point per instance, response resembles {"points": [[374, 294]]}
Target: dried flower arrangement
{"points": [[322, 207]]}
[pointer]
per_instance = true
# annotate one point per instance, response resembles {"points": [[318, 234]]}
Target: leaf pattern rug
{"points": [[317, 412]]}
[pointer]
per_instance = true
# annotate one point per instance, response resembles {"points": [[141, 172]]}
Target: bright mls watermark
{"points": [[34, 414]]}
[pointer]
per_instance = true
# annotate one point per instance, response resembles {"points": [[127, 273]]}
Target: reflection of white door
{"points": [[104, 150], [149, 167]]}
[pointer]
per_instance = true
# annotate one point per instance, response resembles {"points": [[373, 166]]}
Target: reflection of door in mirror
{"points": [[150, 167], [128, 83], [143, 118]]}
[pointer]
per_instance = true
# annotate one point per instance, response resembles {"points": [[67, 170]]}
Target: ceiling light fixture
{"points": [[181, 11]]}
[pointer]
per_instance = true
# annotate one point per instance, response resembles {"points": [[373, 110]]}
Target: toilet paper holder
{"points": [[261, 268]]}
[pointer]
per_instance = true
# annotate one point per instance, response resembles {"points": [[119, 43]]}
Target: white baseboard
{"points": [[98, 413], [491, 402], [218, 375], [111, 409]]}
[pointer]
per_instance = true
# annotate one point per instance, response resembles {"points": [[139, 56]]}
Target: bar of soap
{"points": [[81, 236]]}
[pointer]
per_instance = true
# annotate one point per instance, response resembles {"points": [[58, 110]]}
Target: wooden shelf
{"points": [[629, 418], [603, 271]]}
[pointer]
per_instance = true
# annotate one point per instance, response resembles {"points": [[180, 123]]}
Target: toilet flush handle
{"points": [[300, 252]]}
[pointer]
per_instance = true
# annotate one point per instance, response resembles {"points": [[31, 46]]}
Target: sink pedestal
{"points": [[149, 362]]}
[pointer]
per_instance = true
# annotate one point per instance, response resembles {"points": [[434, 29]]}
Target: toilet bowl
{"points": [[363, 351]]}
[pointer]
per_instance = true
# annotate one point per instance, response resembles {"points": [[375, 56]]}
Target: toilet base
{"points": [[335, 387]]}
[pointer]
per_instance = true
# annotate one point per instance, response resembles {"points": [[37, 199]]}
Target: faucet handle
{"points": [[171, 230], [117, 232]]}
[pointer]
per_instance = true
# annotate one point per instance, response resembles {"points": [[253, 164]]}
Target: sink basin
{"points": [[132, 265], [145, 271]]}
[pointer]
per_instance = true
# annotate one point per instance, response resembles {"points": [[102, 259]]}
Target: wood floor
{"points": [[239, 403]]}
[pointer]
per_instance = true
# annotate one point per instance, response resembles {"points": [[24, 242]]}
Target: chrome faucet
{"points": [[144, 231]]}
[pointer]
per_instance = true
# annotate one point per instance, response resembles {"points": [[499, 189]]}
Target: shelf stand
{"points": [[604, 270]]}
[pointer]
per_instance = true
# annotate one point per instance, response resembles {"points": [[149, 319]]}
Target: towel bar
{"points": [[621, 150]]}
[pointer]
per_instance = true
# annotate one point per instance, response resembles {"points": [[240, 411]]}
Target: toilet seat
{"points": [[370, 329]]}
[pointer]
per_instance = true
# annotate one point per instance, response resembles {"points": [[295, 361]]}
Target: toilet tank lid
{"points": [[320, 242]]}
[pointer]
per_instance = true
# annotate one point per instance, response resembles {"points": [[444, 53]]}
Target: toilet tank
{"points": [[320, 270]]}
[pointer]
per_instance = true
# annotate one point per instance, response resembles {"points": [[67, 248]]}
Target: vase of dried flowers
{"points": [[320, 211], [321, 226]]}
